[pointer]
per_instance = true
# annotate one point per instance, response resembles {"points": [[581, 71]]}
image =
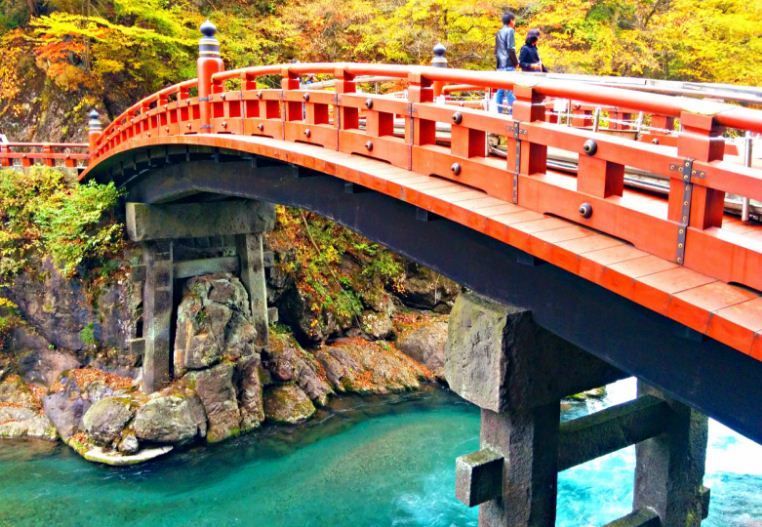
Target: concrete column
{"points": [[670, 467], [251, 255], [157, 314], [528, 441]]}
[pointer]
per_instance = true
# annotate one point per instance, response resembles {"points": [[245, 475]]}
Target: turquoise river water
{"points": [[366, 463]]}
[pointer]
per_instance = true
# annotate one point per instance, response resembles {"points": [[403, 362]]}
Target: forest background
{"points": [[61, 57]]}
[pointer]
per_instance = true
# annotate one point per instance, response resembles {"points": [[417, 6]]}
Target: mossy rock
{"points": [[288, 404], [106, 419]]}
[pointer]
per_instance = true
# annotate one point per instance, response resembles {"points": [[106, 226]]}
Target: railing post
{"points": [[94, 131], [529, 107], [748, 143], [700, 140], [209, 63], [5, 151], [348, 118], [292, 109], [421, 90], [47, 158]]}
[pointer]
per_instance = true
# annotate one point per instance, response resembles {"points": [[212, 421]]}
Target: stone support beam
{"points": [[670, 467], [638, 518], [607, 431], [194, 220], [479, 477], [251, 255], [157, 314]]}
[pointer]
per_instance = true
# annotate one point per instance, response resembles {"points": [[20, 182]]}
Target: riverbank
{"points": [[362, 461]]}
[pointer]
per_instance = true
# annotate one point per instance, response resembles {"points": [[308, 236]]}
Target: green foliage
{"points": [[87, 335], [45, 213], [8, 319], [70, 223]]}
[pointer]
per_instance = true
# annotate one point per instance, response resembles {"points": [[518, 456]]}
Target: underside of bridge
{"points": [[596, 336]]}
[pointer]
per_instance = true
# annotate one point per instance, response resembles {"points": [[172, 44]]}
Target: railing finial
{"points": [[94, 120], [208, 29], [439, 60], [208, 45]]}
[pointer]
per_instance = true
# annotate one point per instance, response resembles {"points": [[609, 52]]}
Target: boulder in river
{"points": [[170, 419], [422, 337], [65, 411], [250, 397], [106, 418], [19, 421], [287, 404]]}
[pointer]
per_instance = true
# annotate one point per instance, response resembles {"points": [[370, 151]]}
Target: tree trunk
{"points": [[32, 6]]}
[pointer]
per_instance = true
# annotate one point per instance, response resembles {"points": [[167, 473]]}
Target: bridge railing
{"points": [[70, 155], [686, 229]]}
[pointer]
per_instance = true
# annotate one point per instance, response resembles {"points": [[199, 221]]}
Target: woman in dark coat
{"points": [[529, 57]]}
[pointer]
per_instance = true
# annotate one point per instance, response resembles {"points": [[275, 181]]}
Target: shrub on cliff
{"points": [[44, 212], [336, 272]]}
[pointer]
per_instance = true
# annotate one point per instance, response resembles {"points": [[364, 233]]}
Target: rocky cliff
{"points": [[66, 370]]}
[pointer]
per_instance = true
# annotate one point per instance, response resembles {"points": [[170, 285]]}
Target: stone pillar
{"points": [[528, 441], [670, 467], [157, 314], [497, 358], [251, 255]]}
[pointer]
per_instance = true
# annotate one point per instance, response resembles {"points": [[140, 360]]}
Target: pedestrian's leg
{"points": [[499, 100], [510, 97]]}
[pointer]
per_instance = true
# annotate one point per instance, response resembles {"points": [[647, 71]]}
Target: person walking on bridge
{"points": [[505, 56], [529, 57]]}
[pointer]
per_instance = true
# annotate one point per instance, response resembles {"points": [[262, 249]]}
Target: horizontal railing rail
{"points": [[70, 155]]}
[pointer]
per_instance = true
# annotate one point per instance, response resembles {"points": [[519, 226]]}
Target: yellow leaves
{"points": [[12, 47]]}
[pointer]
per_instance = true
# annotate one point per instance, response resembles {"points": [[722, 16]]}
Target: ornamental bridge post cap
{"points": [[439, 60], [208, 45], [94, 122], [208, 29]]}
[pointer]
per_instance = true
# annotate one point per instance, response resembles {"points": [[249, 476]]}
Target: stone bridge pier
{"points": [[517, 373], [229, 236]]}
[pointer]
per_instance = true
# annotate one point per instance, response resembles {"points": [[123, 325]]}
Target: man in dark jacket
{"points": [[505, 55], [529, 58]]}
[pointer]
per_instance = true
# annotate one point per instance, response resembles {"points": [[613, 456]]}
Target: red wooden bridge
{"points": [[679, 255], [621, 236]]}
